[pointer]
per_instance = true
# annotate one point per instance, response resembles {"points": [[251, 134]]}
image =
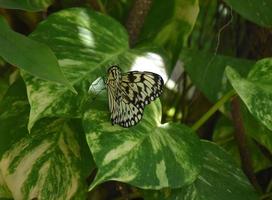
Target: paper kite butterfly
{"points": [[129, 93]]}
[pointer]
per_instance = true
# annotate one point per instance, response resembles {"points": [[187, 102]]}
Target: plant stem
{"points": [[212, 110], [266, 196], [240, 137], [97, 5], [136, 19], [101, 6]]}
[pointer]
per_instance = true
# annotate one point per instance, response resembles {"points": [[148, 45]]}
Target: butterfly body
{"points": [[128, 93]]}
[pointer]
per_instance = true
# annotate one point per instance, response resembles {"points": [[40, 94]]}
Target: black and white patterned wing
{"points": [[127, 113], [114, 102], [137, 89], [142, 87], [129, 93]]}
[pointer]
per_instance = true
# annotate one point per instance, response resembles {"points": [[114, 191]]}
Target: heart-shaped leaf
{"points": [[220, 178], [149, 155]]}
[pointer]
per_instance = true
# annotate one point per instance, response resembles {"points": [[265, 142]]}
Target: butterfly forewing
{"points": [[142, 87], [128, 94]]}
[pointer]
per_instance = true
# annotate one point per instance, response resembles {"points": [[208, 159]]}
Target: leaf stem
{"points": [[101, 6], [240, 137], [98, 6], [213, 109]]}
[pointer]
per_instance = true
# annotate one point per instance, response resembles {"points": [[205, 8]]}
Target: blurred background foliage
{"points": [[224, 33]]}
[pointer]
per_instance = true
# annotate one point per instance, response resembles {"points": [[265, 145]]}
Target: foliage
{"points": [[56, 140], [22, 52]]}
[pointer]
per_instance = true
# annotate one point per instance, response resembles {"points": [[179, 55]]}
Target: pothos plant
{"points": [[54, 135]]}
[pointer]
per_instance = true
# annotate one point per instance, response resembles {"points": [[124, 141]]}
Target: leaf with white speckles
{"points": [[148, 155], [220, 178], [258, 11], [256, 90]]}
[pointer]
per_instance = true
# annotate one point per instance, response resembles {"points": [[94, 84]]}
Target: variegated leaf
{"points": [[86, 43], [51, 163], [256, 90], [220, 178], [14, 111], [149, 155], [45, 165], [4, 190]]}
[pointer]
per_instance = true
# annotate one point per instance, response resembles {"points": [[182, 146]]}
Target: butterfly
{"points": [[129, 93]]}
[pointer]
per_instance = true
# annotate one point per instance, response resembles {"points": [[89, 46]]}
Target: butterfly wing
{"points": [[114, 102], [134, 91], [142, 87]]}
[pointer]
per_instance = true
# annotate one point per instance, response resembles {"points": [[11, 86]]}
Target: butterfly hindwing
{"points": [[128, 94]]}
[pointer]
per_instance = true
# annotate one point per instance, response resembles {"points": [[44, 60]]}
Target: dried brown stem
{"points": [[136, 19], [240, 138]]}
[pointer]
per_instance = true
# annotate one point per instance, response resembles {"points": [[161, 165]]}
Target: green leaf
{"points": [[118, 9], [33, 57], [204, 34], [49, 164], [224, 136], [257, 130], [172, 28], [220, 178], [149, 155], [14, 109], [4, 85], [86, 43], [206, 70], [256, 90], [52, 163], [33, 5], [257, 11]]}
